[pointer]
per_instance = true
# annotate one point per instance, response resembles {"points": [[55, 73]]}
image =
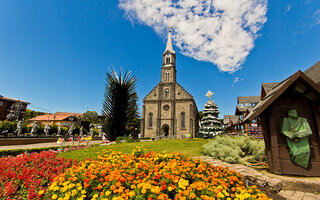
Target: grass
{"points": [[190, 147]]}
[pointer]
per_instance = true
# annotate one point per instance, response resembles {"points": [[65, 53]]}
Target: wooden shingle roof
{"points": [[277, 91], [266, 88], [314, 72], [231, 118], [248, 99]]}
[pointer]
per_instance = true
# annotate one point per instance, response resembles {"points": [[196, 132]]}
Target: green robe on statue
{"points": [[297, 129]]}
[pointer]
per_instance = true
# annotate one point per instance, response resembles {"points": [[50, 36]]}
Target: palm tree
{"points": [[119, 105]]}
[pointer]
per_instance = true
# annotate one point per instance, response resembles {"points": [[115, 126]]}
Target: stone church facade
{"points": [[169, 110]]}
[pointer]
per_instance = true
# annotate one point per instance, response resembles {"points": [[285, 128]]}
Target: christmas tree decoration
{"points": [[210, 124]]}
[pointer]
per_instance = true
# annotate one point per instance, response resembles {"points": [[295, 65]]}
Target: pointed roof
{"points": [[276, 91], [169, 43], [314, 72]]}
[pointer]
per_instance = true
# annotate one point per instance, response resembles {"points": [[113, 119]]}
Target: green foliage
{"points": [[119, 105], [145, 138], [91, 116], [200, 115], [31, 114], [127, 139], [15, 152], [233, 149], [6, 125]]}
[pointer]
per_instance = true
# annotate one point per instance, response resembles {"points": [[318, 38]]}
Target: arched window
{"points": [[166, 93], [150, 116], [183, 120], [167, 76], [167, 60]]}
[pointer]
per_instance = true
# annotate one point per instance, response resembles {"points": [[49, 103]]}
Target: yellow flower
{"points": [[54, 196], [108, 193], [41, 192]]}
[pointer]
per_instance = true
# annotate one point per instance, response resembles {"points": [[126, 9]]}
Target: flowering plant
{"points": [[149, 176], [26, 176]]}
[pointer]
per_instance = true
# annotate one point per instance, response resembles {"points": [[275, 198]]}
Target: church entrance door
{"points": [[165, 130]]}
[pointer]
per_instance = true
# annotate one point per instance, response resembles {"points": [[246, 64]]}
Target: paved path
{"points": [[41, 145], [274, 184], [298, 195]]}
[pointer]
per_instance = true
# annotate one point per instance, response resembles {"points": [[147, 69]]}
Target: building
{"points": [[230, 122], [14, 109], [245, 104], [63, 118], [299, 92], [169, 110]]}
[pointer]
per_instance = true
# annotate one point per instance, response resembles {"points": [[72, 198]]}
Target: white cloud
{"points": [[316, 17], [288, 8], [236, 79], [307, 1], [218, 31]]}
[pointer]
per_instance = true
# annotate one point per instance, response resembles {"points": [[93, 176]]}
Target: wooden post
{"points": [[274, 141]]}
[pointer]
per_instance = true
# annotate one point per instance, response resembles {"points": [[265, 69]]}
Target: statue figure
{"points": [[104, 138], [71, 130], [297, 130], [19, 129], [59, 130], [100, 133], [34, 128], [47, 129], [81, 131], [91, 131]]}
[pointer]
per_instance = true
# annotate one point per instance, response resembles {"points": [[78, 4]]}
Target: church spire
{"points": [[169, 43]]}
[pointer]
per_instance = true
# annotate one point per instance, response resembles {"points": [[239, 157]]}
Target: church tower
{"points": [[169, 110], [168, 70]]}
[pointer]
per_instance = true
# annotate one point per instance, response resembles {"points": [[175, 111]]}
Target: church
{"points": [[169, 111]]}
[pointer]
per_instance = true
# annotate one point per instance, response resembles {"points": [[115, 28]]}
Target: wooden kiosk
{"points": [[297, 92]]}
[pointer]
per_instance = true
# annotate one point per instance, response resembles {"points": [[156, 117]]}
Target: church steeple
{"points": [[168, 71], [169, 47]]}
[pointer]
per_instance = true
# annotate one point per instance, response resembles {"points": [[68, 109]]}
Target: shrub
{"points": [[233, 149], [116, 175], [15, 152]]}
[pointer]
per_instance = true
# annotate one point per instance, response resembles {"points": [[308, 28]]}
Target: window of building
{"points": [[150, 116], [183, 120], [167, 60], [166, 93], [167, 76]]}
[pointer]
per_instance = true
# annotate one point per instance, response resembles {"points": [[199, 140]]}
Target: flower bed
{"points": [[23, 176], [149, 176]]}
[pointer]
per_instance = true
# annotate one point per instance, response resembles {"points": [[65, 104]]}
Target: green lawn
{"points": [[191, 147]]}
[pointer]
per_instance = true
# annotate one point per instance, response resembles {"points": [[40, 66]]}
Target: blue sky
{"points": [[55, 54]]}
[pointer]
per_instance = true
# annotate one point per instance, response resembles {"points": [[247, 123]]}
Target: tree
{"points": [[211, 125], [120, 108], [91, 116], [31, 114]]}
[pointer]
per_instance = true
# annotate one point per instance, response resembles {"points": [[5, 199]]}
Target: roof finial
{"points": [[209, 94], [169, 42]]}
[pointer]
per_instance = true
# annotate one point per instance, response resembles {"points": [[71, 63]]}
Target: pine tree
{"points": [[210, 124]]}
